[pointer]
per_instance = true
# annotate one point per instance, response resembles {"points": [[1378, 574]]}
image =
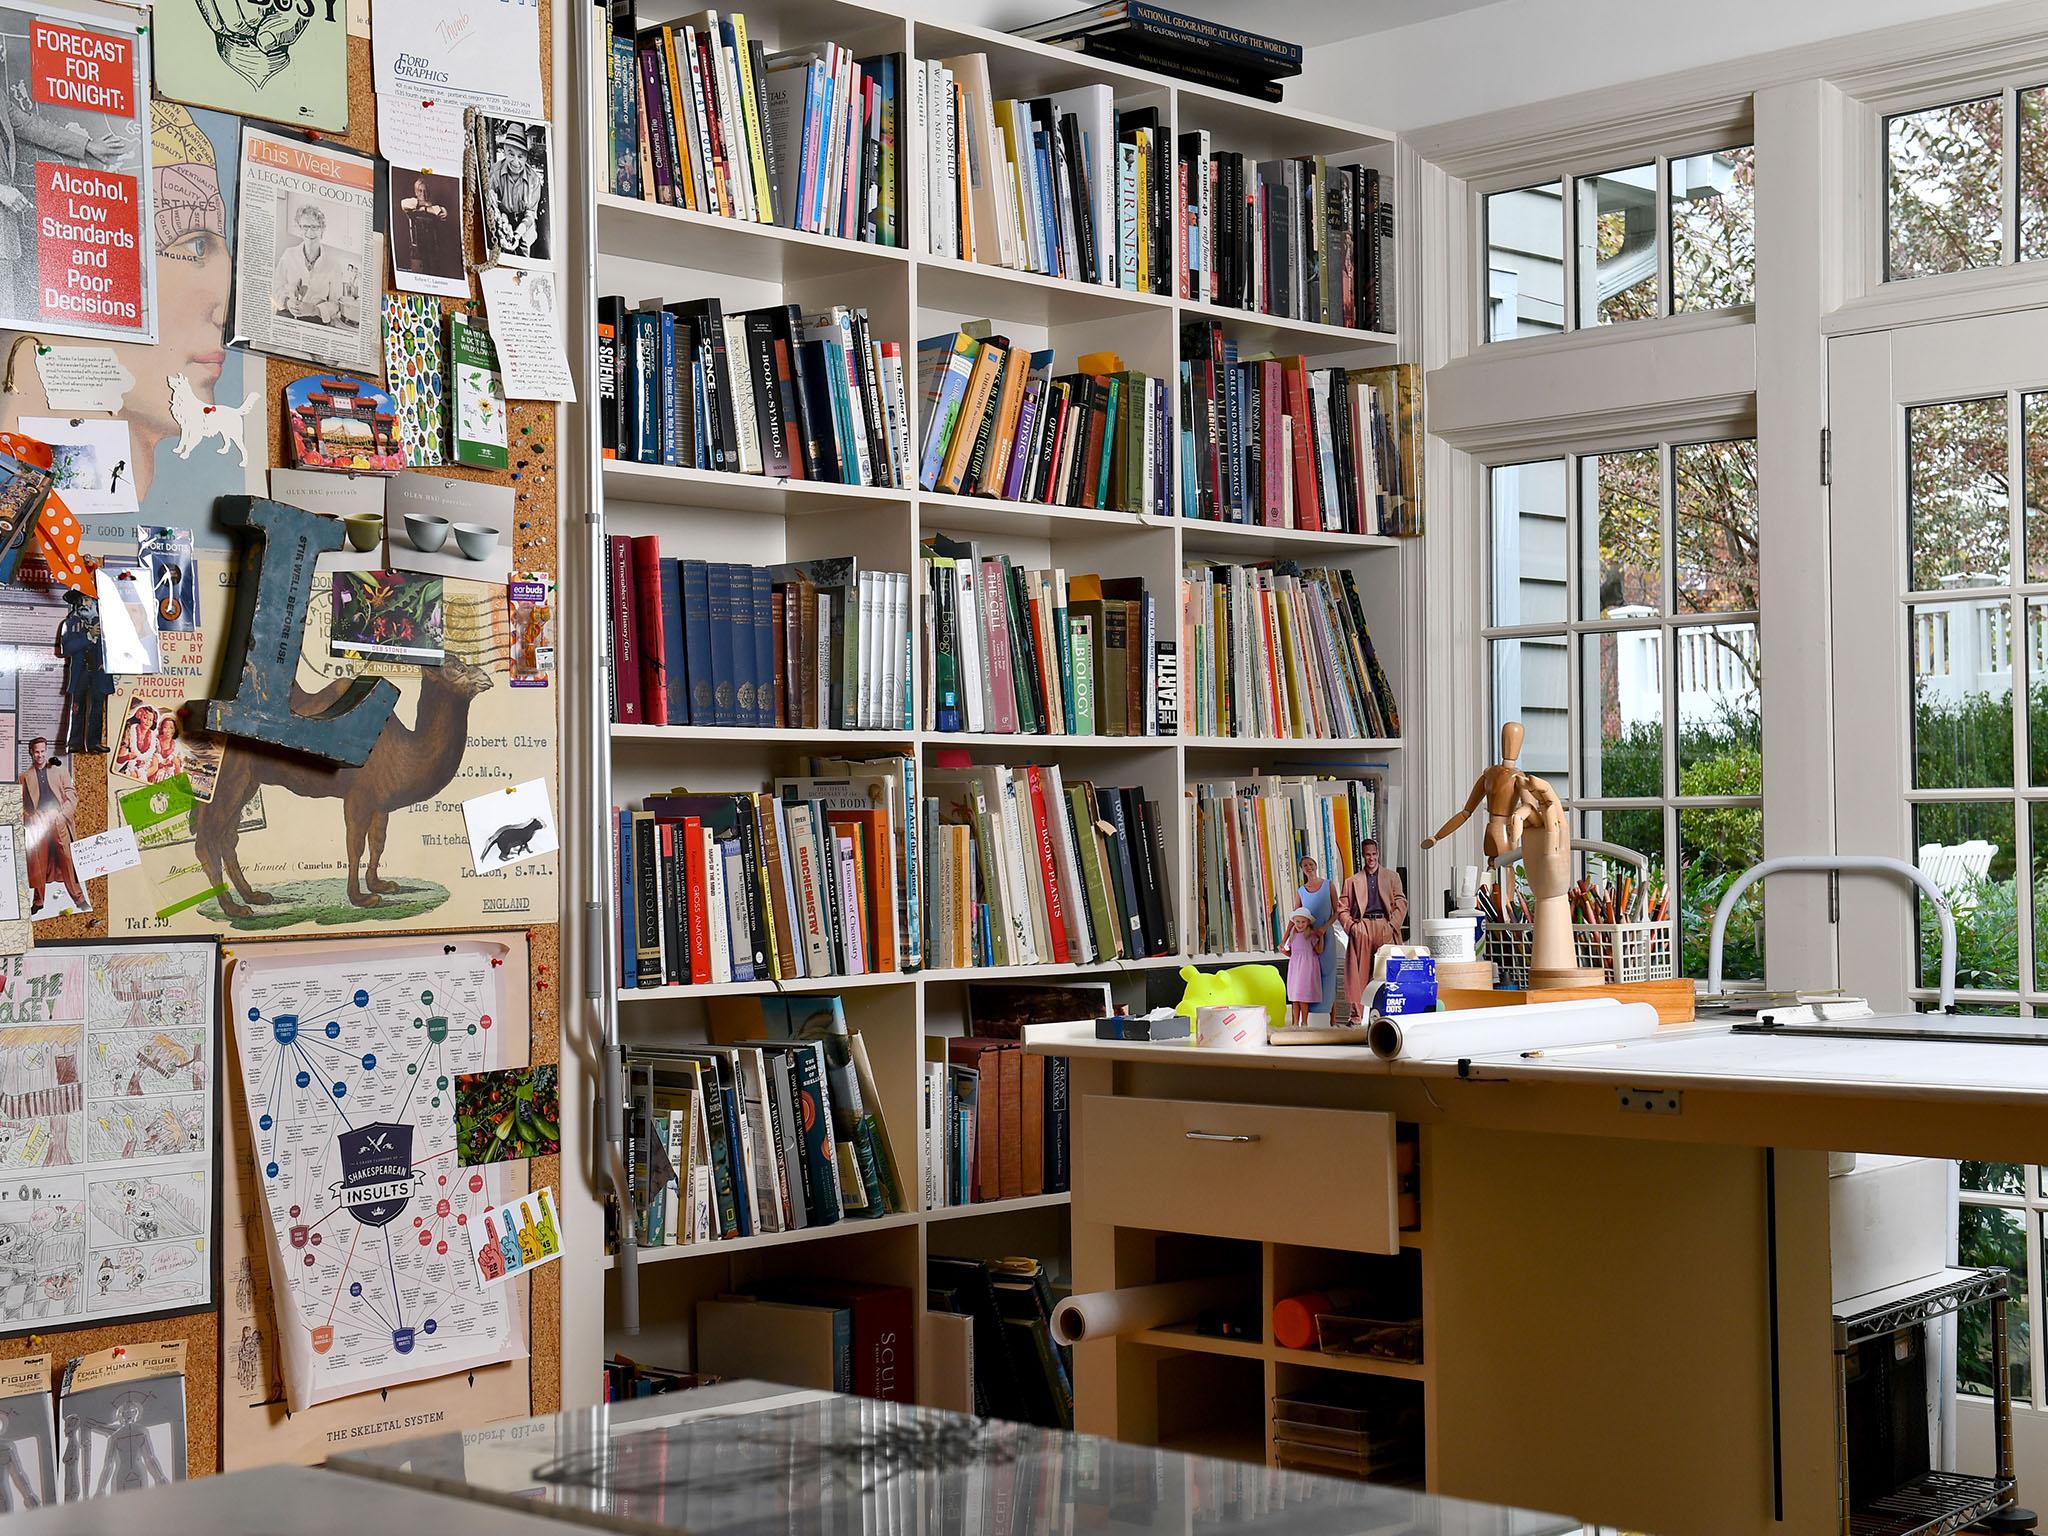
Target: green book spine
{"points": [[1081, 703], [477, 425]]}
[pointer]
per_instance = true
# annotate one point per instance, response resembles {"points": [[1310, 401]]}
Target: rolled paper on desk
{"points": [[1133, 1309], [1490, 1031]]}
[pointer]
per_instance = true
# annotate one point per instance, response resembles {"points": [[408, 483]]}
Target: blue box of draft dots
{"points": [[1410, 987]]}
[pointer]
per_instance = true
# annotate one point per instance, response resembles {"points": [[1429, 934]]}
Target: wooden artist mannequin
{"points": [[1514, 799]]}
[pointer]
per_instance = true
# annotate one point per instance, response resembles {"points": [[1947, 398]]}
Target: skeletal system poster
{"points": [[348, 1059], [107, 1093]]}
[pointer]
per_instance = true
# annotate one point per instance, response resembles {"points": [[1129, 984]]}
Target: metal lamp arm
{"points": [[1832, 863]]}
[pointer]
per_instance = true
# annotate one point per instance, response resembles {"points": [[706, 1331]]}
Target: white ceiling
{"points": [[1310, 22]]}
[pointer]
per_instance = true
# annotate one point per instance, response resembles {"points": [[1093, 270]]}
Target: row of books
{"points": [[998, 424], [994, 1121], [1028, 868], [1065, 185], [989, 1325], [826, 1333], [1274, 650], [1032, 653], [1185, 47], [820, 878], [780, 1130], [1299, 238], [811, 644], [703, 117], [1273, 442], [768, 391], [1249, 837]]}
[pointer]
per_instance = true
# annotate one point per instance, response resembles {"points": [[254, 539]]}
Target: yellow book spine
{"points": [[750, 108], [685, 119]]}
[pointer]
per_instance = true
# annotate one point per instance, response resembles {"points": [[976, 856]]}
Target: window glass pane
{"points": [[2032, 173], [1530, 684], [1621, 536], [1716, 844], [1958, 529], [1642, 830], [1715, 538], [1962, 693], [2036, 642], [1986, 1235], [1525, 262], [1621, 715], [2037, 826], [1713, 230], [1617, 234], [1720, 709], [1528, 542], [1991, 1178], [1941, 179], [2034, 468], [1968, 849]]}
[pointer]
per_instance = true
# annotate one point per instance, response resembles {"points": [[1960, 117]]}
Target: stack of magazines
{"points": [[1185, 47]]}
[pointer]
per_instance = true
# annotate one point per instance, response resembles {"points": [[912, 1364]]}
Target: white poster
{"points": [[308, 269], [481, 53], [107, 1094], [349, 1064]]}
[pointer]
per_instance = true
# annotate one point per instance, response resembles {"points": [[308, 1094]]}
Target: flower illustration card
{"points": [[481, 438], [287, 63], [412, 370]]}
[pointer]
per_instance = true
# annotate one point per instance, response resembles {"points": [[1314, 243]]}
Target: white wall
{"points": [[1519, 51]]}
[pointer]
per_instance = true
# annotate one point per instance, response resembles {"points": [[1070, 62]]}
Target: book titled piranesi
{"points": [[481, 439]]}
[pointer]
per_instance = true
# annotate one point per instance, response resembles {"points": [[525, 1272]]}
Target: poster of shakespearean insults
{"points": [[76, 243]]}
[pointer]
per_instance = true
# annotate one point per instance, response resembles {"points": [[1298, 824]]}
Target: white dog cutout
{"points": [[198, 421]]}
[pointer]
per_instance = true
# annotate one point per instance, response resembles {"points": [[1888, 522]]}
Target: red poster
{"points": [[89, 246], [76, 68]]}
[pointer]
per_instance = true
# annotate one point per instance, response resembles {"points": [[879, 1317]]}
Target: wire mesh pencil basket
{"points": [[1631, 949]]}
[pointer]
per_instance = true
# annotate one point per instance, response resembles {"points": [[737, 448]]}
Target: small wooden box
{"points": [[1672, 999]]}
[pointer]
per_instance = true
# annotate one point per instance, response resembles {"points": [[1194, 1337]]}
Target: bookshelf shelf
{"points": [[735, 1245], [1346, 744], [767, 988], [1241, 541], [999, 1207], [981, 514], [643, 249], [754, 735], [639, 230], [1256, 332], [675, 487], [1355, 1365]]}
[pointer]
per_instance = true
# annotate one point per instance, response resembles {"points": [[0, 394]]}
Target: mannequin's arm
{"points": [[1471, 804]]}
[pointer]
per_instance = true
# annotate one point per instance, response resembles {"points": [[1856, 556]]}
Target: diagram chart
{"points": [[349, 1070]]}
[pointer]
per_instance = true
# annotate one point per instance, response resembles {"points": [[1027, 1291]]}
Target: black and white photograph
{"points": [[425, 224], [514, 167], [308, 268]]}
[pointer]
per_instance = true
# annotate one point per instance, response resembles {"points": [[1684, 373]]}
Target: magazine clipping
{"points": [[308, 274], [77, 245]]}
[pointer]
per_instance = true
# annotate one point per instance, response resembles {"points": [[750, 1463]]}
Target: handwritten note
{"points": [[527, 327], [83, 378], [421, 134]]}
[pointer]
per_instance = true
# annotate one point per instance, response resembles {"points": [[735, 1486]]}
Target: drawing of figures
{"points": [[41, 1249], [144, 1210], [129, 1063], [40, 1095]]}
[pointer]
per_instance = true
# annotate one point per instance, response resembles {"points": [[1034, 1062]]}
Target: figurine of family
{"points": [[1370, 911]]}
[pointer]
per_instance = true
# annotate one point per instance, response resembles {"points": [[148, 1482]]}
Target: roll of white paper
{"points": [[1488, 1031], [1104, 1314]]}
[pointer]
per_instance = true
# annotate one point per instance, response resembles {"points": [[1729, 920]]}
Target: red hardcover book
{"points": [[700, 928], [786, 382], [1048, 865], [647, 615], [625, 635], [1308, 506]]}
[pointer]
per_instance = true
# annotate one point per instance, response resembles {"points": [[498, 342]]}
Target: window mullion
{"points": [[1666, 299], [2008, 177]]}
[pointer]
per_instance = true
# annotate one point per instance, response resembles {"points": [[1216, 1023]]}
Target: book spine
{"points": [[625, 670]]}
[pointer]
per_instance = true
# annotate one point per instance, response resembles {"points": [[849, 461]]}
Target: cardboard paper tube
{"points": [[1488, 1031], [1104, 1314]]}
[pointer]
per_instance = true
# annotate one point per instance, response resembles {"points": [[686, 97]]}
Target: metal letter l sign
{"points": [[267, 631]]}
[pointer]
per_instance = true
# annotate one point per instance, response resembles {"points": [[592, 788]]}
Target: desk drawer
{"points": [[1265, 1172]]}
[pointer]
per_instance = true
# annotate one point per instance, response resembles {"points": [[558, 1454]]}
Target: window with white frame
{"points": [[1623, 634], [1999, 1221], [1966, 183], [1671, 235]]}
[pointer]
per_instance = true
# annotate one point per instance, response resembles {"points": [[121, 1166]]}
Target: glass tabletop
{"points": [[746, 1459]]}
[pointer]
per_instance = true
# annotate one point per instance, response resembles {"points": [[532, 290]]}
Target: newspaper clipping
{"points": [[76, 254], [307, 267]]}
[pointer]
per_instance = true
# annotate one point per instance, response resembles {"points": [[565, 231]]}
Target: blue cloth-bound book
{"points": [[764, 646], [696, 629], [724, 677], [675, 652]]}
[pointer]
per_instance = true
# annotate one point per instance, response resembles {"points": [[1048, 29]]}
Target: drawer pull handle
{"points": [[1218, 1136]]}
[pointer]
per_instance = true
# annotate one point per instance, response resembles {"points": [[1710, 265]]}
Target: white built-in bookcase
{"points": [[643, 250]]}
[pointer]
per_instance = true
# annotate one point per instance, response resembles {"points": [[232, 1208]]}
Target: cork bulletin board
{"points": [[223, 1429]]}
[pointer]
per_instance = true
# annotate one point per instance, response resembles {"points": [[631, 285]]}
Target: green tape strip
{"points": [[192, 901]]}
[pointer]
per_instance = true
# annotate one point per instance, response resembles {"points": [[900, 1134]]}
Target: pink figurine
{"points": [[1304, 948]]}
